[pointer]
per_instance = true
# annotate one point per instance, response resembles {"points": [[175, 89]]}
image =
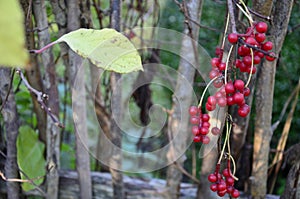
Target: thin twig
{"points": [[256, 48], [41, 97], [231, 15]]}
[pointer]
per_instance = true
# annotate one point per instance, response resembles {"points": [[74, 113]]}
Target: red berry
{"points": [[257, 59], [212, 100], [222, 193], [247, 60], [243, 67], [214, 73], [226, 173], [222, 101], [194, 120], [218, 51], [261, 27], [238, 98], [233, 38], [243, 110], [246, 91], [215, 62], [251, 41], [205, 139], [229, 88], [205, 117], [214, 187], [193, 110], [271, 57], [222, 66], [197, 138], [222, 186], [235, 193], [239, 84], [229, 181], [260, 37], [230, 101], [204, 130], [218, 95], [209, 107], [230, 189], [195, 130], [260, 54], [206, 124], [218, 83], [215, 131], [238, 63], [267, 46]]}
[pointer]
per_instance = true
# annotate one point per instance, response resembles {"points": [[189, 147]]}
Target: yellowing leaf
{"points": [[30, 157], [105, 48], [12, 35]]}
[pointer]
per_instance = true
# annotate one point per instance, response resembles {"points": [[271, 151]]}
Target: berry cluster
{"points": [[201, 125], [223, 183], [254, 39]]}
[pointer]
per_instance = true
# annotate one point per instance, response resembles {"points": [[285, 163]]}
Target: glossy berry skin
{"points": [[215, 131], [197, 139], [235, 193], [260, 37], [215, 62], [194, 120], [195, 130], [239, 84], [229, 88], [205, 139], [233, 38], [271, 58], [238, 98], [214, 187], [246, 91], [212, 100], [267, 46], [261, 27], [193, 110], [243, 110]]}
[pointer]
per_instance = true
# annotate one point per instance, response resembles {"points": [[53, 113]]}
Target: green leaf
{"points": [[30, 157], [105, 48], [12, 35]]}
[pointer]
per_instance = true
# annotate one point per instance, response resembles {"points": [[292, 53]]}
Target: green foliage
{"points": [[30, 157], [106, 48], [12, 35]]}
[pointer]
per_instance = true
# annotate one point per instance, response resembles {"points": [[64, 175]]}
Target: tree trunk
{"points": [[10, 117], [115, 162], [33, 73], [79, 107], [183, 93], [264, 101], [50, 86]]}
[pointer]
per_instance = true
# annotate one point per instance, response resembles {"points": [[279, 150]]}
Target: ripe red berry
{"points": [[204, 130], [212, 100], [239, 84], [229, 181], [222, 186], [235, 193], [267, 46], [247, 60], [193, 110], [195, 130], [226, 173], [206, 124], [215, 62], [209, 107], [214, 73], [218, 51], [246, 91], [243, 110], [222, 66], [260, 37], [257, 59], [214, 187], [233, 38], [238, 98], [271, 57], [205, 139], [215, 131], [222, 193], [205, 117], [194, 120], [230, 189], [261, 27], [229, 88], [251, 41], [230, 101], [222, 101], [218, 83], [197, 138]]}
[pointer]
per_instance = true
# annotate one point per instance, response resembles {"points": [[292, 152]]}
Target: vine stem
{"points": [[246, 13], [234, 166], [227, 61], [202, 97], [225, 141], [252, 65], [44, 48], [225, 31]]}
